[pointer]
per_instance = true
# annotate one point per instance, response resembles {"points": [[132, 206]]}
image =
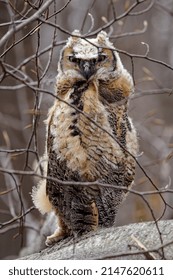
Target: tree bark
{"points": [[131, 242]]}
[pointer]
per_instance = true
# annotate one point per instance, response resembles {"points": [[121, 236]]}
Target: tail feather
{"points": [[40, 199]]}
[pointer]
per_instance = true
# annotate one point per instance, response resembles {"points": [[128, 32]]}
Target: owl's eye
{"points": [[74, 59], [101, 57], [94, 60]]}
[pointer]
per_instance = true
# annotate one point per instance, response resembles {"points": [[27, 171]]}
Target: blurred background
{"points": [[142, 32]]}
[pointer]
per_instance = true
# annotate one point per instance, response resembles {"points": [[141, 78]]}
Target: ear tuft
{"points": [[103, 40], [102, 37], [73, 39], [76, 32]]}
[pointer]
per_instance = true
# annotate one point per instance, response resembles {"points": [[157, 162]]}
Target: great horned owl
{"points": [[91, 140]]}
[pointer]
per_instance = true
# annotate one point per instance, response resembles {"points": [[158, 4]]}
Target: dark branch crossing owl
{"points": [[91, 78]]}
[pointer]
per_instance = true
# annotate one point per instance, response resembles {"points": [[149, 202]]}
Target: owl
{"points": [[90, 138]]}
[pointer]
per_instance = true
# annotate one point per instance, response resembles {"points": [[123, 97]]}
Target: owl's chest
{"points": [[80, 137]]}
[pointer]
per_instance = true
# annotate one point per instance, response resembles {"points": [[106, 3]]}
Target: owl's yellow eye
{"points": [[101, 57]]}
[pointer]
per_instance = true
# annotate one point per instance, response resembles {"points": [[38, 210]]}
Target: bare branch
{"points": [[25, 22]]}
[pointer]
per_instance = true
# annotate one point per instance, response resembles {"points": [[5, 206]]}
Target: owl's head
{"points": [[90, 58]]}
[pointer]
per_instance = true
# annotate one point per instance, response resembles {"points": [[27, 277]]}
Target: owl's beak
{"points": [[87, 68]]}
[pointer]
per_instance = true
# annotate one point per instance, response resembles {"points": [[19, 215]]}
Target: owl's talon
{"points": [[54, 238]]}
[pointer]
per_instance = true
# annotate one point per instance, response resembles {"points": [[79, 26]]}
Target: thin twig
{"points": [[147, 253], [25, 22]]}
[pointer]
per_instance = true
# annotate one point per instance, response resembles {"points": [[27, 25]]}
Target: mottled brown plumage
{"points": [[92, 79]]}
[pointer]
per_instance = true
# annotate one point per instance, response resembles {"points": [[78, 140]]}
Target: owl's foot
{"points": [[55, 237], [58, 234]]}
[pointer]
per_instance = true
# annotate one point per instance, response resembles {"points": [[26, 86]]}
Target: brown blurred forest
{"points": [[31, 34]]}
